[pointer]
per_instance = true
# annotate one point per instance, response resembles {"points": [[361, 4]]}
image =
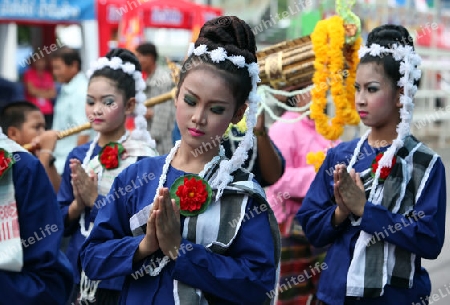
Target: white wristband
{"points": [[46, 151]]}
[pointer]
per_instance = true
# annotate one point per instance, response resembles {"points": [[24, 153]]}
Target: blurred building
{"points": [[277, 20], [249, 10]]}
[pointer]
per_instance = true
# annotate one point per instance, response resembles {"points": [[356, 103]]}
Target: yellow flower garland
{"points": [[331, 53], [332, 50], [316, 159], [241, 127], [328, 41], [352, 59]]}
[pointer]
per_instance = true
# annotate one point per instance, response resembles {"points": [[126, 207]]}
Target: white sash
{"points": [[11, 252]]}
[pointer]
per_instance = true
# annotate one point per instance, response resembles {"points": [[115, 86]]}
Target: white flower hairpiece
{"points": [[238, 60], [409, 61], [140, 132], [241, 154]]}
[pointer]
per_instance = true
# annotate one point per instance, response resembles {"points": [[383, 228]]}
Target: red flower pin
{"points": [[385, 171], [192, 194], [110, 155], [6, 161]]}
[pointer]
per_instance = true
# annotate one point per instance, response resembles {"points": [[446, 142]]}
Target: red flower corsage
{"points": [[6, 161], [192, 194], [110, 155], [385, 171]]}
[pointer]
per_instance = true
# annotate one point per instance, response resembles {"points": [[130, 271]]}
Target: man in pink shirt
{"points": [[295, 141], [40, 89]]}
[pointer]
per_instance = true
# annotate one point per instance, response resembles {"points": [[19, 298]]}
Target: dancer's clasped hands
{"points": [[348, 191], [84, 185], [163, 226]]}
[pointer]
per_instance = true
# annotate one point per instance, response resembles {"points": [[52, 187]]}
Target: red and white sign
{"points": [[134, 16], [441, 35]]}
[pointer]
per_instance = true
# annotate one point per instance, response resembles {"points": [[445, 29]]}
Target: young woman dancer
{"points": [[382, 208], [212, 237], [115, 90]]}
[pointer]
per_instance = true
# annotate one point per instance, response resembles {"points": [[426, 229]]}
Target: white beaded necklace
{"points": [[2, 135], [86, 160], [353, 161], [254, 151], [169, 158], [162, 180]]}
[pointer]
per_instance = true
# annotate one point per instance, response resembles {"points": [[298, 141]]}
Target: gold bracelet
{"points": [[260, 133]]}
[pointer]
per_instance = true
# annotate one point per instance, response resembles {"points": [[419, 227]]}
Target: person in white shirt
{"points": [[161, 117], [69, 109]]}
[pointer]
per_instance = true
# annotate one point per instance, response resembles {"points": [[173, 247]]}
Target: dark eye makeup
{"points": [[218, 109], [108, 101], [90, 101], [189, 99], [192, 101]]}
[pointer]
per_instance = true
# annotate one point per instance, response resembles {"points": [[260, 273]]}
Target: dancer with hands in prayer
{"points": [[202, 232], [163, 228], [348, 193], [115, 90], [382, 207]]}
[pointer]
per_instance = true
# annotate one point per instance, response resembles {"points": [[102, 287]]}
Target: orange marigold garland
{"points": [[352, 59], [335, 70], [329, 47], [315, 159]]}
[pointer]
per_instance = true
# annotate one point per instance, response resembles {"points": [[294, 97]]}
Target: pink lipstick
{"points": [[363, 114], [195, 132]]}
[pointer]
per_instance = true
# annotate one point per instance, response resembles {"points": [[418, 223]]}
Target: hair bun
{"points": [[126, 56], [230, 33], [389, 34]]}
